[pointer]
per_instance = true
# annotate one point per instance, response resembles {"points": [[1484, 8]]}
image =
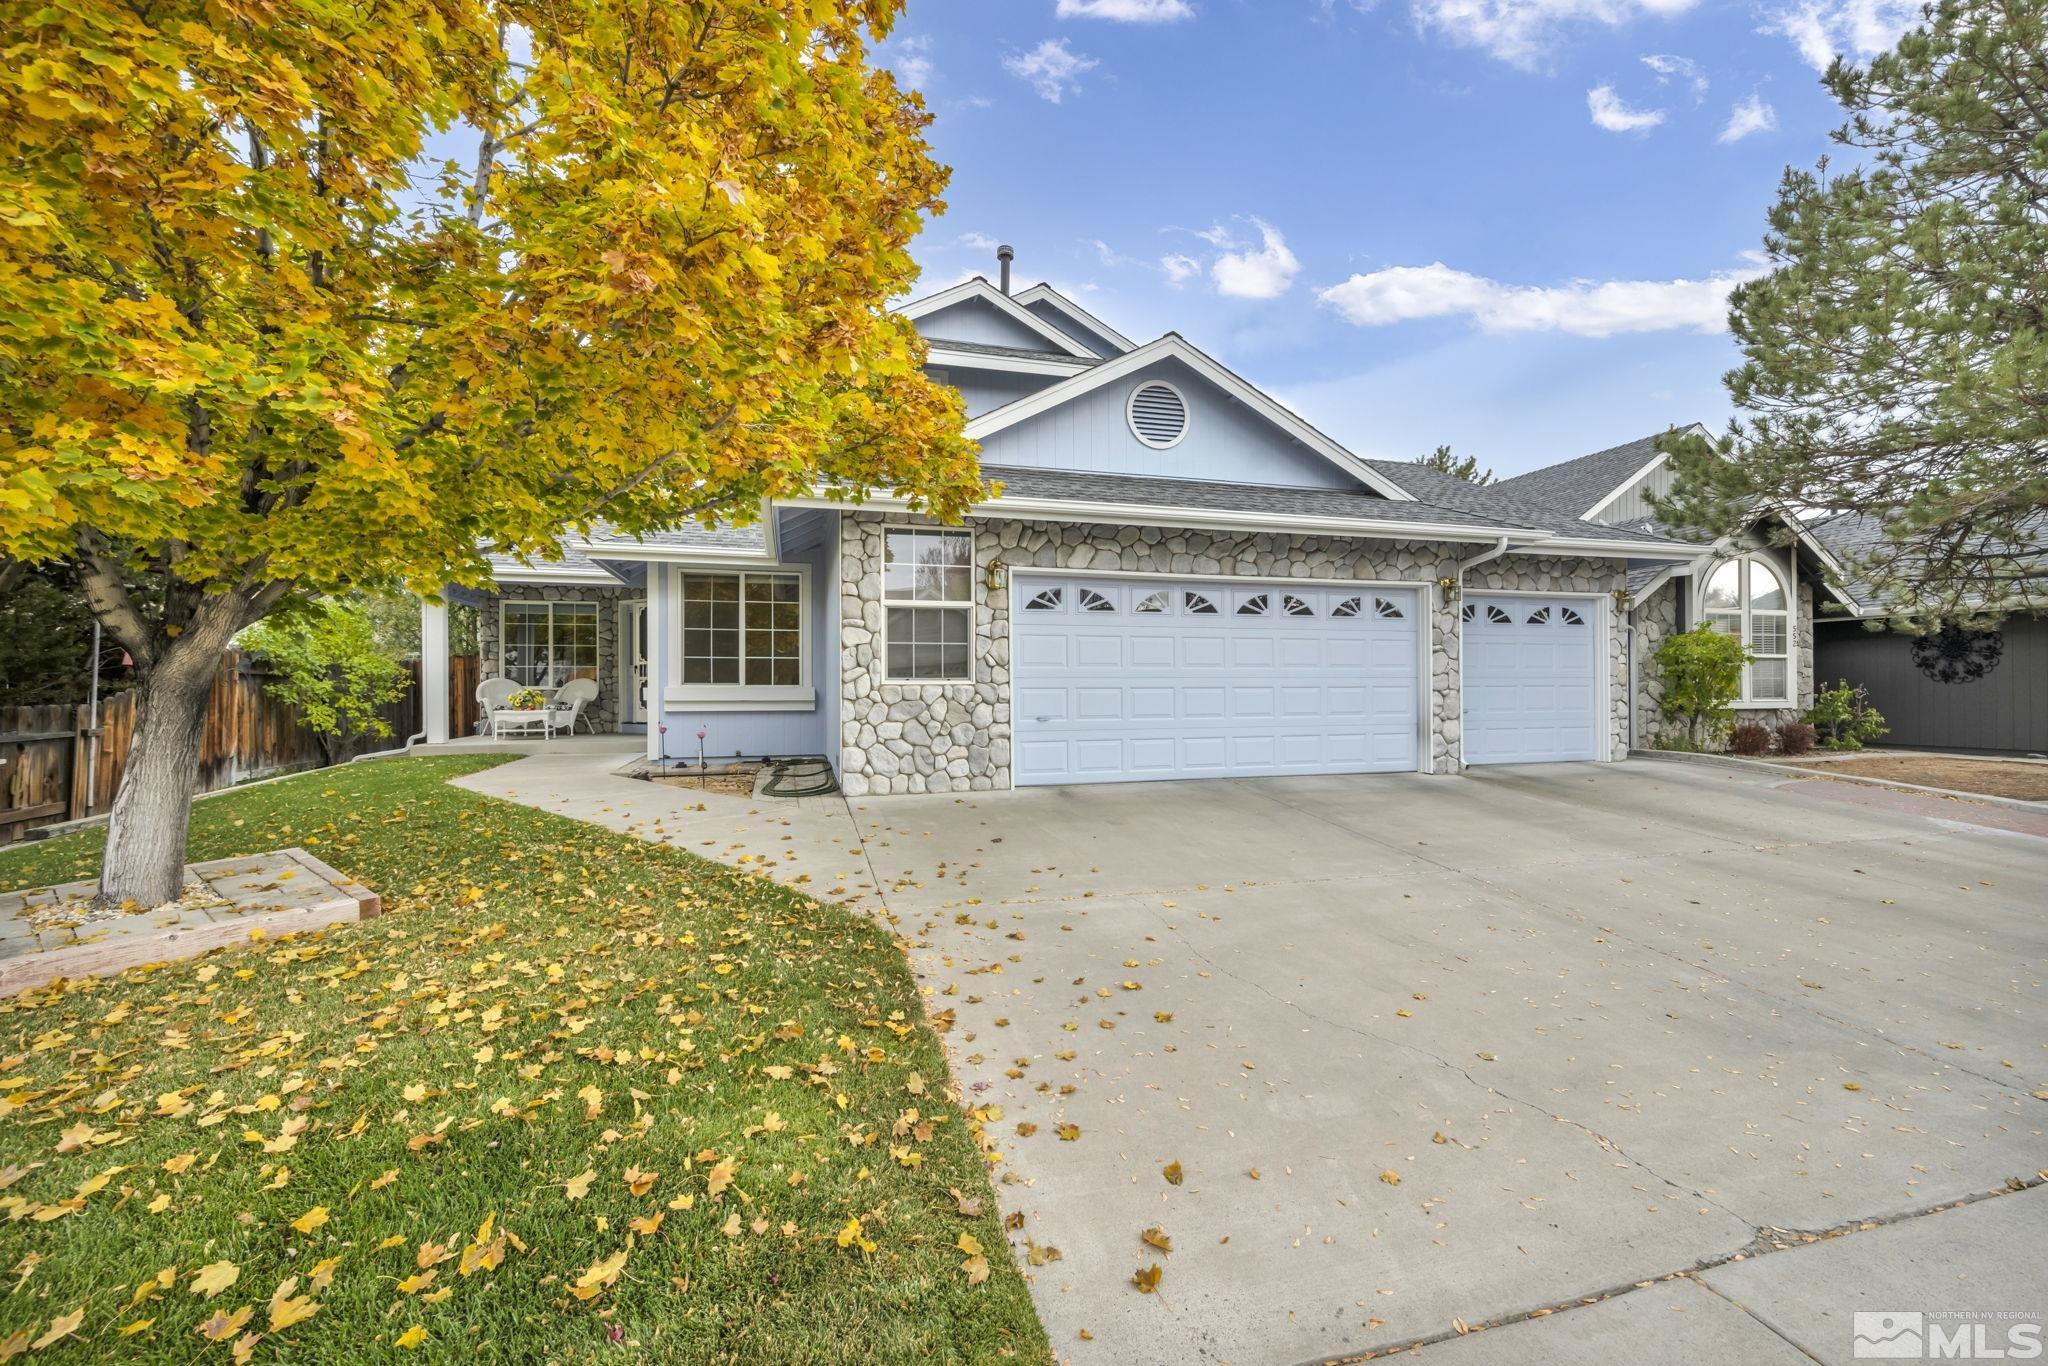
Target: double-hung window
{"points": [[928, 600], [1748, 599], [743, 632], [547, 644]]}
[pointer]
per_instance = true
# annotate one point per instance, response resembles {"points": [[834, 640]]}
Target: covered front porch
{"points": [[578, 619]]}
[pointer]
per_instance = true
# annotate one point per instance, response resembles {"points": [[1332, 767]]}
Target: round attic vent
{"points": [[1158, 414]]}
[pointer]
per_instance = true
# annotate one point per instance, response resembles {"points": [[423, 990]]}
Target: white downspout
{"points": [[1458, 624], [1628, 625]]}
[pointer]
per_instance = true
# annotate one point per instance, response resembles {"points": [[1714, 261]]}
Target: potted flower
{"points": [[527, 699]]}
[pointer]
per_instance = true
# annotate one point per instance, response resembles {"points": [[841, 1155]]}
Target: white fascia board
{"points": [[944, 356], [672, 554], [1693, 429], [1174, 346], [1044, 293], [978, 288], [1837, 573], [1614, 550], [541, 573], [1623, 487], [1199, 519]]}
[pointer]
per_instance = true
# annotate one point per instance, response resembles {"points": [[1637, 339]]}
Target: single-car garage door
{"points": [[1122, 680], [1532, 670]]}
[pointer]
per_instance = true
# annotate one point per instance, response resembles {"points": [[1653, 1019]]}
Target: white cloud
{"points": [[1126, 11], [912, 59], [1854, 28], [1750, 116], [1612, 113], [1261, 273], [1216, 235], [1585, 308], [1179, 268], [1523, 31], [980, 241], [1051, 68], [1685, 68]]}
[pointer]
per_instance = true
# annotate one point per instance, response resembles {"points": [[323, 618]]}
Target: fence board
{"points": [[51, 770]]}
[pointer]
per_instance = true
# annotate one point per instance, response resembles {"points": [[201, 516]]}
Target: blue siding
{"points": [[1225, 441], [1075, 328], [985, 390], [976, 320], [810, 539]]}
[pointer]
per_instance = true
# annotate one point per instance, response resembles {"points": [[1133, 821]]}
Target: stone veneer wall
{"points": [[954, 737], [1656, 618], [603, 711]]}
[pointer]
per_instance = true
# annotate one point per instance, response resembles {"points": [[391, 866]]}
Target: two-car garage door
{"points": [[1121, 680]]}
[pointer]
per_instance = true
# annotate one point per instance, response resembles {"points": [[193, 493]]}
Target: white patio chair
{"points": [[491, 696], [567, 708]]}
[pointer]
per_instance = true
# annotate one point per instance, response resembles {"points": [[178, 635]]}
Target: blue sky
{"points": [[1503, 224]]}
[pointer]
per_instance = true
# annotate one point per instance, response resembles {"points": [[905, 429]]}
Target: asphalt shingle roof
{"points": [[691, 536], [1857, 538], [1208, 495], [1575, 485], [1077, 486], [1502, 504]]}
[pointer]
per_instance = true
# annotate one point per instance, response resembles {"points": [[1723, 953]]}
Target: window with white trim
{"points": [[928, 601], [1748, 599], [743, 630], [547, 644]]}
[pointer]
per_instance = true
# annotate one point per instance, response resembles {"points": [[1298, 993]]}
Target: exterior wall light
{"points": [[1448, 585], [998, 576]]}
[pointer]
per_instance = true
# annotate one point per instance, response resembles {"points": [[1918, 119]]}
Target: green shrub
{"points": [[1701, 671], [1843, 717], [329, 665]]}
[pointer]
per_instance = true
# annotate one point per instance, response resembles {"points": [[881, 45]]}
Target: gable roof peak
{"points": [[1173, 346]]}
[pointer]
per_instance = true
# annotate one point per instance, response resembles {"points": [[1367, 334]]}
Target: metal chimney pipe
{"points": [[1006, 254]]}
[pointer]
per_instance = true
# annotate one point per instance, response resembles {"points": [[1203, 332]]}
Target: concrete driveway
{"points": [[1579, 1063]]}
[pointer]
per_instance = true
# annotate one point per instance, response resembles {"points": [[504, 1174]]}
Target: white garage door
{"points": [[1532, 670], [1120, 680]]}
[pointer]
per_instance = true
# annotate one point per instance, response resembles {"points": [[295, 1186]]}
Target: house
{"points": [[1173, 576], [1951, 689], [1767, 584], [1794, 592]]}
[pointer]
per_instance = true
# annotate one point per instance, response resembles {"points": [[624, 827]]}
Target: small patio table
{"points": [[507, 721]]}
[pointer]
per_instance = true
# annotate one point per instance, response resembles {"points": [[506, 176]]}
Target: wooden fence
{"points": [[51, 771]]}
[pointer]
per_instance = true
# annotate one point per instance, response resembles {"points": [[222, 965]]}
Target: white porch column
{"points": [[659, 587], [434, 670]]}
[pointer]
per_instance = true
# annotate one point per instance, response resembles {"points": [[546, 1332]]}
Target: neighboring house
{"points": [[1947, 690], [1175, 576]]}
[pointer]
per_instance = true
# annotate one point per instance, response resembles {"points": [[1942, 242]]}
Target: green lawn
{"points": [[421, 1093]]}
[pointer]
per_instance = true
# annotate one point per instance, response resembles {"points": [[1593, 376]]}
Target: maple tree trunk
{"points": [[145, 857]]}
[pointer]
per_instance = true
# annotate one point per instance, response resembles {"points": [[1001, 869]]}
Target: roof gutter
{"points": [[1194, 519]]}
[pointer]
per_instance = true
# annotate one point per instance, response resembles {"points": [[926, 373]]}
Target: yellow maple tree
{"points": [[298, 297]]}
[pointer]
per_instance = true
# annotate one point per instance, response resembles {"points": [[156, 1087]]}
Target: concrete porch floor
{"points": [[1613, 1063]]}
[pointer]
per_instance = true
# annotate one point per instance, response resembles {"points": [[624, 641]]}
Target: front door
{"points": [[635, 671]]}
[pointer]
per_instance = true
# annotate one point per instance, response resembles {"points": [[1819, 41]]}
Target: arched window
{"points": [[1748, 599]]}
